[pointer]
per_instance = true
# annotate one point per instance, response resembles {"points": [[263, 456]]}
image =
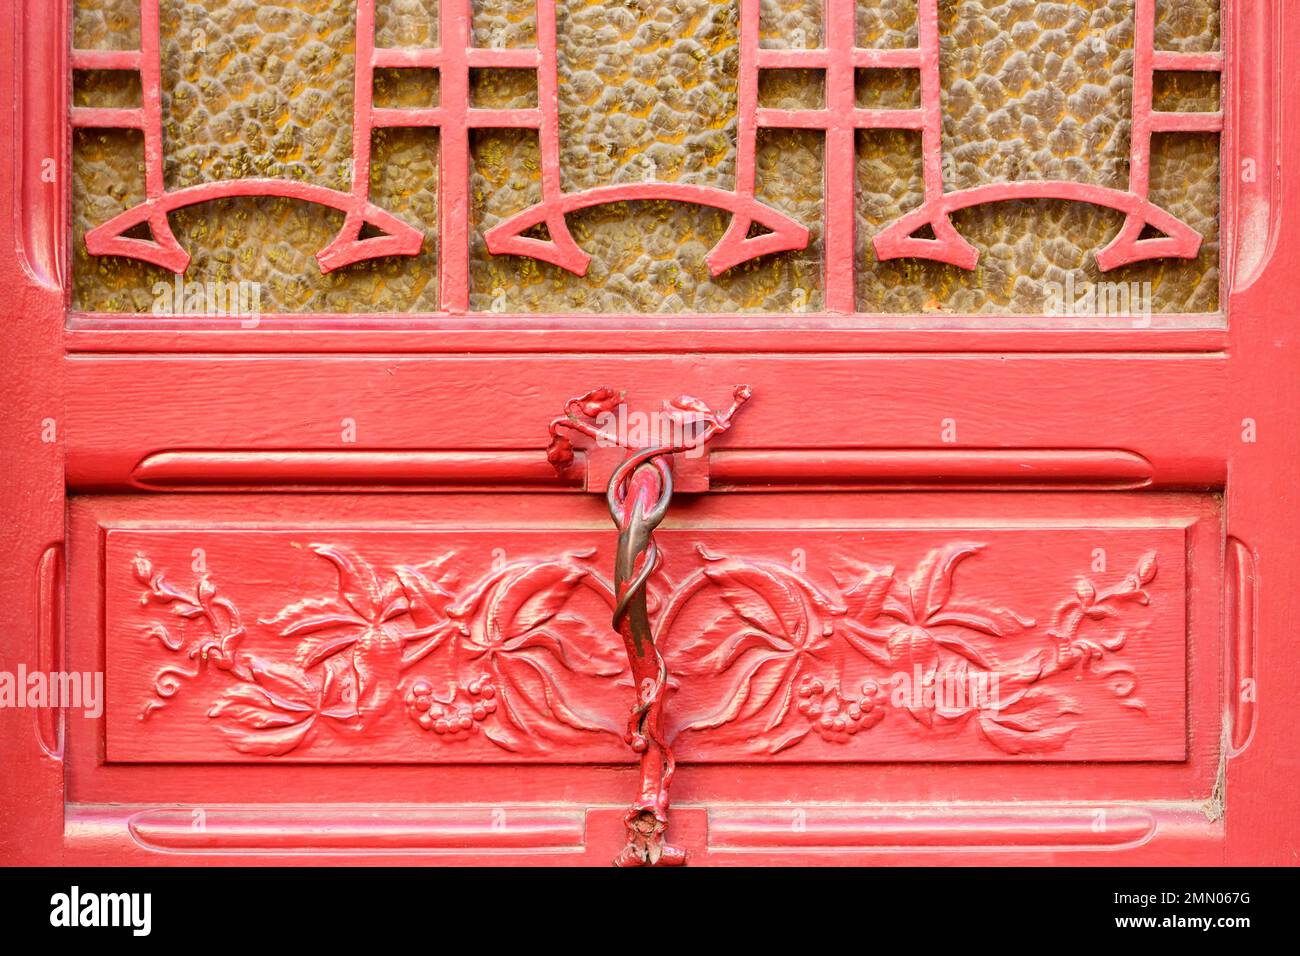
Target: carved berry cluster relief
{"points": [[458, 661], [706, 156]]}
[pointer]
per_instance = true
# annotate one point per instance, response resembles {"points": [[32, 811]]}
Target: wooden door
{"points": [[994, 562]]}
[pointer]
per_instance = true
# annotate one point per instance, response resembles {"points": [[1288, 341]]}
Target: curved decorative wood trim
{"points": [[1254, 134], [1179, 241], [49, 654], [164, 251], [377, 470], [560, 831], [783, 233], [919, 467], [349, 828], [1242, 601], [794, 828], [975, 468], [41, 78]]}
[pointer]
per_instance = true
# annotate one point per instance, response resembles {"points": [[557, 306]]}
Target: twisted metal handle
{"points": [[639, 493]]}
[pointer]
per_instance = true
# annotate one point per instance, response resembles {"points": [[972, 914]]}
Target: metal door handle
{"points": [[639, 493]]}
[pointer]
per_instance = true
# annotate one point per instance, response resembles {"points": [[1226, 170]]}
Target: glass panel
{"points": [[601, 157]]}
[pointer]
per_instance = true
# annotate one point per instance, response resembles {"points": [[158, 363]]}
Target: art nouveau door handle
{"points": [[639, 493]]}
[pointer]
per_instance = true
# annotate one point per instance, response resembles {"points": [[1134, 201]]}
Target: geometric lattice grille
{"points": [[695, 156]]}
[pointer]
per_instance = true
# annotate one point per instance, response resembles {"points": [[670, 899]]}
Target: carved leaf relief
{"points": [[762, 657]]}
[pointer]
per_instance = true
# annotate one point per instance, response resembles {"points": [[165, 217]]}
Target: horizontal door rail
{"points": [[892, 469]]}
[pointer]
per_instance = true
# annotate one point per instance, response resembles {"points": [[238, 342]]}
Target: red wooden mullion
{"points": [[93, 117], [747, 111], [1144, 48], [840, 158], [87, 117], [363, 99], [453, 153], [455, 117], [841, 119], [151, 97], [927, 21]]}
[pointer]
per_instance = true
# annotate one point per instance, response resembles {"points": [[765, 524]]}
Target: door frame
{"points": [[1228, 379]]}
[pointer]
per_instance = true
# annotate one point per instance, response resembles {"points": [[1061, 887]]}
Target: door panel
{"points": [[797, 564], [1057, 641]]}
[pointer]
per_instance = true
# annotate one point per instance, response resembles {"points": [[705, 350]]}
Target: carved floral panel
{"points": [[523, 156], [872, 644]]}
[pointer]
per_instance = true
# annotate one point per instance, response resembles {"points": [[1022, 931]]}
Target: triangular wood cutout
{"points": [[1140, 240], [379, 234], [141, 231], [135, 235], [762, 232], [548, 240]]}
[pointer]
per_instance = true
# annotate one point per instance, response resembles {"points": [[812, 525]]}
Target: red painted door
{"points": [[982, 308]]}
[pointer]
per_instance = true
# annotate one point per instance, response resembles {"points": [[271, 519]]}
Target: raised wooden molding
{"points": [[1241, 614], [564, 833]]}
